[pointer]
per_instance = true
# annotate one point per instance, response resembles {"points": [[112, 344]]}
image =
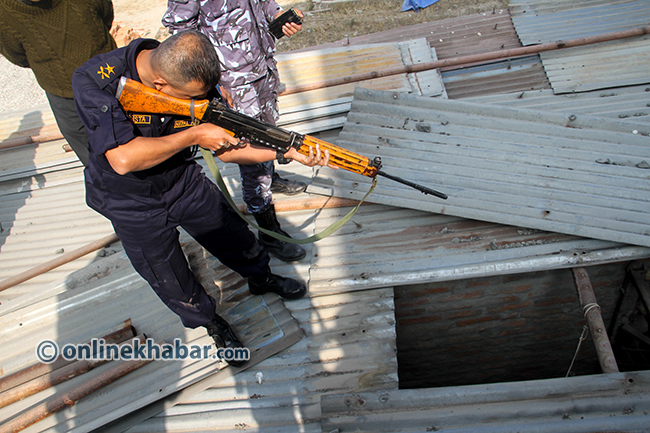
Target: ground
{"points": [[325, 21]]}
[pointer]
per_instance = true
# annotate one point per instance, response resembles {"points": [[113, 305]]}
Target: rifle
{"points": [[136, 97]]}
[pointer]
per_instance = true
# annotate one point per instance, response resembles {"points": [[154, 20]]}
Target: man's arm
{"points": [[271, 9], [12, 50], [251, 155], [142, 153]]}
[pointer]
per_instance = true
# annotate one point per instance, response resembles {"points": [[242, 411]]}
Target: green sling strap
{"points": [[212, 165]]}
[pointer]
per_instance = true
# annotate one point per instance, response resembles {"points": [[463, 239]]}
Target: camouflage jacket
{"points": [[238, 29]]}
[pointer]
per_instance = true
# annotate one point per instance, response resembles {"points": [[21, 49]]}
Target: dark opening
{"points": [[511, 328]]}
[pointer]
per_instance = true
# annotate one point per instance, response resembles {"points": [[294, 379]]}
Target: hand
{"points": [[214, 138], [290, 29], [315, 157]]}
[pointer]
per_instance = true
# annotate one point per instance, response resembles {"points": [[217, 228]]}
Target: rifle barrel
{"points": [[422, 189]]}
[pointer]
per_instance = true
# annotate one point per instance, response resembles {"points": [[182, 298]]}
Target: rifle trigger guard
{"points": [[294, 142]]}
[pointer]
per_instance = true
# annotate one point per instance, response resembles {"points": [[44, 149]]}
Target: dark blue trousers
{"points": [[152, 244], [256, 186]]}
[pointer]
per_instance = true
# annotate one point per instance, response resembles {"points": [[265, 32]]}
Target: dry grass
{"points": [[354, 18]]}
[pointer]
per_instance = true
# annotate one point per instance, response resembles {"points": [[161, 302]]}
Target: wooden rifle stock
{"points": [[136, 97]]}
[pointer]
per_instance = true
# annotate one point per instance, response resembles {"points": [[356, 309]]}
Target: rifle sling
{"points": [[214, 169]]}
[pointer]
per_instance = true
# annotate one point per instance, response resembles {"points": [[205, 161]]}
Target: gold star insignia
{"points": [[106, 72]]}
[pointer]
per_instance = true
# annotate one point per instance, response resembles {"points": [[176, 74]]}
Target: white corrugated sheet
{"points": [[598, 66], [541, 21], [622, 62], [579, 175], [43, 217], [624, 103], [603, 403]]}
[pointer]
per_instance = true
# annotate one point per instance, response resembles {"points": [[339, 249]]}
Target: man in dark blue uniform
{"points": [[141, 176]]}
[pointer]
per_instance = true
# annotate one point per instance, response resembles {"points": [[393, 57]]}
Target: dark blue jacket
{"points": [[137, 194]]}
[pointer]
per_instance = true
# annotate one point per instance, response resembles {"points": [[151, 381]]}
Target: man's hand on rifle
{"points": [[230, 149], [314, 157], [214, 138]]}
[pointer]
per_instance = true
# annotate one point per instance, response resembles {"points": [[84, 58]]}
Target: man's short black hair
{"points": [[187, 56]]}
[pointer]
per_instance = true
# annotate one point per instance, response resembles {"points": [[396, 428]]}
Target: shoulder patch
{"points": [[107, 71]]}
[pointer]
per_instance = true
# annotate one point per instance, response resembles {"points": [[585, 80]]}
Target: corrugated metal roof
{"points": [[467, 35], [598, 66], [603, 403], [623, 103], [349, 347], [390, 246], [340, 353], [90, 302], [583, 176], [287, 399], [516, 75], [43, 213], [17, 127], [590, 67], [541, 21], [41, 224], [323, 109]]}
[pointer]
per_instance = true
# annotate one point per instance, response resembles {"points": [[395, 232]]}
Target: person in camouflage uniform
{"points": [[239, 31]]}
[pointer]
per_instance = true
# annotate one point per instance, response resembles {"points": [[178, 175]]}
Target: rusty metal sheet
{"points": [[451, 37], [466, 35], [504, 77], [385, 245], [38, 226]]}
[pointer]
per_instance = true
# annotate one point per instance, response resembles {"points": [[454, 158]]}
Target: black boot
{"points": [[224, 337], [285, 251], [288, 288], [285, 186]]}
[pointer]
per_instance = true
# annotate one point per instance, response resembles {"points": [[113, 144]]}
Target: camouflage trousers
{"points": [[258, 99]]}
